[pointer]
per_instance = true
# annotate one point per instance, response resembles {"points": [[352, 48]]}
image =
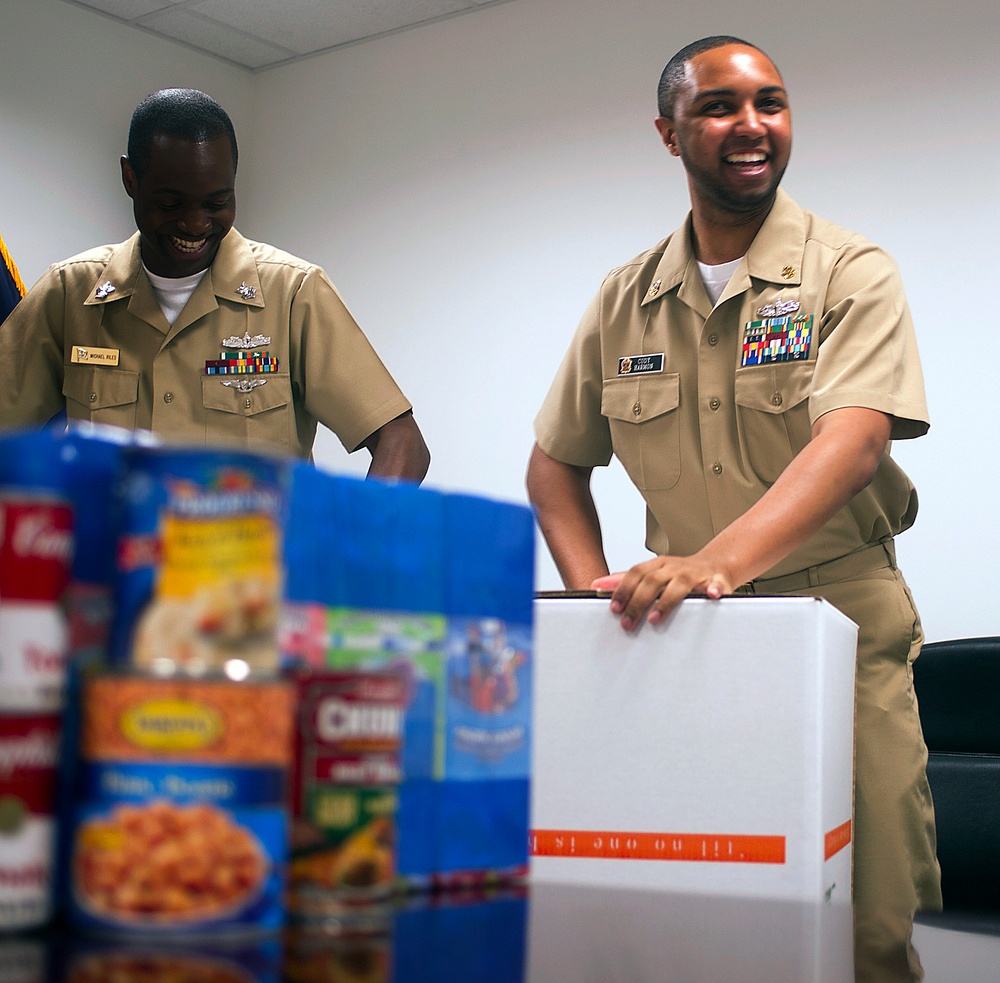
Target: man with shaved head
{"points": [[749, 372]]}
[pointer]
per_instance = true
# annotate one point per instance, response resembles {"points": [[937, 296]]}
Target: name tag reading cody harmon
{"points": [[99, 356], [636, 364]]}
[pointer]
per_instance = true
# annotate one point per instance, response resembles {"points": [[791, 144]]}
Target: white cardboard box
{"points": [[712, 753]]}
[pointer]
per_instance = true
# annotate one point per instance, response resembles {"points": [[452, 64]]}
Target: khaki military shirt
{"points": [[91, 334], [705, 407]]}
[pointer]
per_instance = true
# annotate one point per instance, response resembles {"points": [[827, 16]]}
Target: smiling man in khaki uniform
{"points": [[749, 372], [194, 332]]}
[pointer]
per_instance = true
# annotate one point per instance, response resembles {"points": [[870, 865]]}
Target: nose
{"points": [[195, 222], [749, 120]]}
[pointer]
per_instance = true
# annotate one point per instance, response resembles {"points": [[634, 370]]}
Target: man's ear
{"points": [[668, 134], [129, 180]]}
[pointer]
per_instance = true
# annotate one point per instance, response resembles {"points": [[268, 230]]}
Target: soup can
{"points": [[29, 748], [345, 797], [36, 548]]}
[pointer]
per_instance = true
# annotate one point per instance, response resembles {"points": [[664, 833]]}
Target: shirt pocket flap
{"points": [[273, 393], [100, 388], [773, 388], [640, 400]]}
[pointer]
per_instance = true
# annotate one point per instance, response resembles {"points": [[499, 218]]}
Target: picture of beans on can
{"points": [[164, 864]]}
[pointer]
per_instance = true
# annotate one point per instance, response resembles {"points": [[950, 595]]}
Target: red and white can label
{"points": [[36, 546], [29, 748]]}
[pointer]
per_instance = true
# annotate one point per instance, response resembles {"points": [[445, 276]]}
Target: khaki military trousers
{"points": [[895, 861]]}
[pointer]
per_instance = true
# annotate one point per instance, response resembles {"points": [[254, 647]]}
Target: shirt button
{"points": [[776, 399], [168, 397], [717, 468], [715, 402], [93, 397], [248, 402], [713, 339], [636, 408]]}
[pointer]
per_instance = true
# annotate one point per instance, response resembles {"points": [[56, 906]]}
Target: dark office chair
{"points": [[958, 690]]}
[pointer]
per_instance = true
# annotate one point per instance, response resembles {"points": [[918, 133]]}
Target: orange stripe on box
{"points": [[619, 845], [836, 840]]}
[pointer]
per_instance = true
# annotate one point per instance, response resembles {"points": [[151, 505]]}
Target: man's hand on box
{"points": [[657, 586]]}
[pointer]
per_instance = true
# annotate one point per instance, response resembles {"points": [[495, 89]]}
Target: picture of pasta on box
{"points": [[234, 619], [164, 863]]}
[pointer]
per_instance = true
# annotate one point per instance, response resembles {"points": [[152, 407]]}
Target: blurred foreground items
{"points": [[221, 608]]}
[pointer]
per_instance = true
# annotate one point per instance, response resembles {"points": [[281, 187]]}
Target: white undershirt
{"points": [[172, 293], [715, 278]]}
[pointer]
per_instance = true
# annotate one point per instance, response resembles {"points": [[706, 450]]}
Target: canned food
{"points": [[183, 824], [36, 547], [28, 754], [344, 804]]}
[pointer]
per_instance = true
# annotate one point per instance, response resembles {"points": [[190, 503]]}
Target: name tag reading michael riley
{"points": [[95, 356], [636, 364]]}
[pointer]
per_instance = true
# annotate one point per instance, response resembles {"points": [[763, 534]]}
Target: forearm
{"points": [[567, 518], [398, 450], [840, 459], [819, 481]]}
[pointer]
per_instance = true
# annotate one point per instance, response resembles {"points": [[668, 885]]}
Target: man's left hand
{"points": [[659, 585]]}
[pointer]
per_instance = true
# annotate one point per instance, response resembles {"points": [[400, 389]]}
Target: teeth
{"points": [[753, 158], [186, 245]]}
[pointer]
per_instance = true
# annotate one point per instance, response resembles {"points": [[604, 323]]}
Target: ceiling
{"points": [[260, 34]]}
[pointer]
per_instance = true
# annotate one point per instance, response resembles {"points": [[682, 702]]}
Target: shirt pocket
{"points": [[261, 417], [644, 418], [772, 407], [101, 394]]}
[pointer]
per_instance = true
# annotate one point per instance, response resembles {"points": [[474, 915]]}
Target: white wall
{"points": [[468, 183], [69, 80]]}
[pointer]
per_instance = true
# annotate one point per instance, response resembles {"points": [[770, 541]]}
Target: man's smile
{"points": [[190, 246]]}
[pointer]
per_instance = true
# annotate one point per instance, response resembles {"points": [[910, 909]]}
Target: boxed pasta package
{"points": [[438, 589], [198, 577]]}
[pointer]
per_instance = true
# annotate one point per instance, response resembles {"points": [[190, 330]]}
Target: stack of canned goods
{"points": [[36, 542], [186, 740]]}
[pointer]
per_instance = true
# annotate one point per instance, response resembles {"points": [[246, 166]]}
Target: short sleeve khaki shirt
{"points": [[154, 375], [705, 406]]}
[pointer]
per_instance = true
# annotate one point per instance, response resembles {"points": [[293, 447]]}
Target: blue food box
{"points": [[438, 587]]}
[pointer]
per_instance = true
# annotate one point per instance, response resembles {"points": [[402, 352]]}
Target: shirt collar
{"points": [[233, 273], [775, 255]]}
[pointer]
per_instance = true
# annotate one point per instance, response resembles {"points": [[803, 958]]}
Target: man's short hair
{"points": [[187, 114], [674, 74]]}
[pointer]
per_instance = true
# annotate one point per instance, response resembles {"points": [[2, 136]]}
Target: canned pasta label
{"points": [[168, 867], [183, 823], [217, 721]]}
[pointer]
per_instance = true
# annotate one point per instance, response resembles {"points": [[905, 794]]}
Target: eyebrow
{"points": [[184, 194], [763, 90]]}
